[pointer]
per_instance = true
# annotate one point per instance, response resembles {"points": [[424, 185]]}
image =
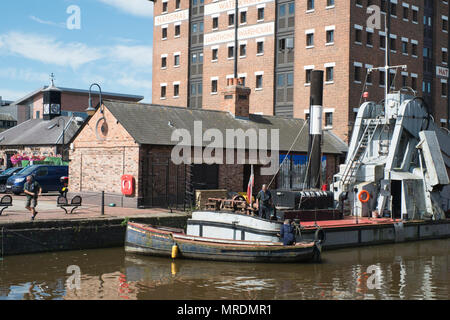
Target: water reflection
{"points": [[406, 271]]}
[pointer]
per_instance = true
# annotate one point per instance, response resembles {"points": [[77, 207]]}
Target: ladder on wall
{"points": [[355, 161]]}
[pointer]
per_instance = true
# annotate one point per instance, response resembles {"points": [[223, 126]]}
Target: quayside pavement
{"points": [[48, 210]]}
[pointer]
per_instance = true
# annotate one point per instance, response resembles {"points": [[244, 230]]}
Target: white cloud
{"points": [[140, 8], [135, 83], [23, 75], [136, 56], [50, 23], [48, 50], [12, 95]]}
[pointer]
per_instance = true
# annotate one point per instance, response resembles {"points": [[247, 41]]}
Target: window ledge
{"points": [[214, 93], [258, 89], [259, 54], [309, 47], [329, 44], [329, 82], [329, 7], [214, 60], [369, 45], [310, 10]]}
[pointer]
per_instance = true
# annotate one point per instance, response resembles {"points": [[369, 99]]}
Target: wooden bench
{"points": [[5, 202], [63, 203]]}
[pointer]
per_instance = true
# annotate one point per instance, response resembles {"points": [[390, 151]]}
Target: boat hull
{"points": [[146, 240]]}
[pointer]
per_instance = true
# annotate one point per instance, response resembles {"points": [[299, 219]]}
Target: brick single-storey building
{"points": [[124, 138]]}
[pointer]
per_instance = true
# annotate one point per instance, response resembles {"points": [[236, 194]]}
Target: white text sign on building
{"points": [[259, 30], [172, 17], [441, 72], [222, 6]]}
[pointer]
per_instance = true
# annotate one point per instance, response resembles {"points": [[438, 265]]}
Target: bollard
{"points": [[103, 203]]}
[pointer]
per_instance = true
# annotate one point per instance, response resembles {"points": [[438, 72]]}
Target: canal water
{"points": [[416, 270]]}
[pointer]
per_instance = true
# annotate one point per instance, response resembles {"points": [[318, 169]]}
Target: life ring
{"points": [[319, 235], [367, 196]]}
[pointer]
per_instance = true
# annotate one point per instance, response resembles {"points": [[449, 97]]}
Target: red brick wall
{"points": [[169, 46], [98, 165]]}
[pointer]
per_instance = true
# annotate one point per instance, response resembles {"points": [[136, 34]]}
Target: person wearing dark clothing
{"points": [[32, 189], [264, 202], [287, 233]]}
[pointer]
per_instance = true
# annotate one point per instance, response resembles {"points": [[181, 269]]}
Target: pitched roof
{"points": [[154, 124], [40, 132], [7, 117]]}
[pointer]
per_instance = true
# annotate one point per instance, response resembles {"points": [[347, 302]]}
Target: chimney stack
{"points": [[236, 98]]}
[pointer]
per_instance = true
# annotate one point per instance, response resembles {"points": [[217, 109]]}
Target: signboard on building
{"points": [[222, 6], [441, 72], [259, 30], [172, 17]]}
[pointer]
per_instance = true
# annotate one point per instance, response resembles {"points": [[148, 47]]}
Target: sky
{"points": [[80, 41]]}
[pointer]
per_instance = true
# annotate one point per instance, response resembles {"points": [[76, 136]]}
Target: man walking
{"points": [[264, 202], [32, 189]]}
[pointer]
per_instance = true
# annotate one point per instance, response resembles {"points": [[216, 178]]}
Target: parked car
{"points": [[5, 175], [49, 177]]}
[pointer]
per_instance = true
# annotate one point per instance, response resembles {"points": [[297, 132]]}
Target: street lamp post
{"points": [[91, 110]]}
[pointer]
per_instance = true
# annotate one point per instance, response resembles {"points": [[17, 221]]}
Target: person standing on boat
{"points": [[287, 233], [264, 202]]}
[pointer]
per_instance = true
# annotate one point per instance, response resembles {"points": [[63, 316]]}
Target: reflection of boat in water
{"points": [[169, 242]]}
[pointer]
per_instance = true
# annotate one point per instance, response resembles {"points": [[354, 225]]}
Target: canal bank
{"points": [[24, 237], [89, 230]]}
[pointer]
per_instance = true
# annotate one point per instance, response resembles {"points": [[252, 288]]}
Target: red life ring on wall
{"points": [[364, 199], [127, 185]]}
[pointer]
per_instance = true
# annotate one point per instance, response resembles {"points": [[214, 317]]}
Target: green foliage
{"points": [[125, 222]]}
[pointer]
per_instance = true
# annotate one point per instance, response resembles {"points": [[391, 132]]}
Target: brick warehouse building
{"points": [[279, 42], [137, 140]]}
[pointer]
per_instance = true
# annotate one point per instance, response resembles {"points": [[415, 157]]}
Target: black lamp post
{"points": [[91, 110]]}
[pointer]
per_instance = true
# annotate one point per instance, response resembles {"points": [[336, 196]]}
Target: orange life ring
{"points": [[366, 199]]}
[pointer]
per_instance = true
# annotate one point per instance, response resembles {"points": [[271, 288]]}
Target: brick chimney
{"points": [[236, 98]]}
